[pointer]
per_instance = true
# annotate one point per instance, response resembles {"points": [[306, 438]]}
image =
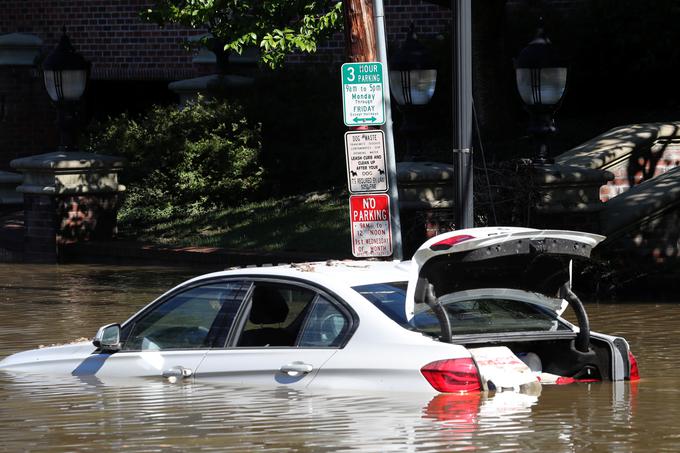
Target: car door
{"points": [[285, 335], [171, 337]]}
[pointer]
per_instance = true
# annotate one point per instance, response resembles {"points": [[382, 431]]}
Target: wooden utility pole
{"points": [[359, 31], [366, 41]]}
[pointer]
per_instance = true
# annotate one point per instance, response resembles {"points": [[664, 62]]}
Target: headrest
{"points": [[269, 306]]}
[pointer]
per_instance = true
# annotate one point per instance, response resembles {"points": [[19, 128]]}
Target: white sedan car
{"points": [[474, 310]]}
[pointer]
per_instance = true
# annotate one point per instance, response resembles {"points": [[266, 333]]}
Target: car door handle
{"points": [[178, 372], [296, 368]]}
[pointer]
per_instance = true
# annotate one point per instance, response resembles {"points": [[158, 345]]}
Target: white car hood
{"points": [[489, 243], [65, 357]]}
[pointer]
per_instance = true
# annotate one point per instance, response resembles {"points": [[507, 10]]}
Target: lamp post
{"points": [[541, 80], [65, 74], [413, 77]]}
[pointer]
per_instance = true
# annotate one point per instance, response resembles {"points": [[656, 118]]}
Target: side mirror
{"points": [[108, 338]]}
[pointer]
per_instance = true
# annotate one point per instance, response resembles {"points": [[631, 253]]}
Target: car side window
{"points": [[326, 325], [277, 312], [192, 319]]}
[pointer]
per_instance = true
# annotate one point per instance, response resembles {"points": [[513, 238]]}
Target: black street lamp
{"points": [[541, 80], [65, 73], [413, 77]]}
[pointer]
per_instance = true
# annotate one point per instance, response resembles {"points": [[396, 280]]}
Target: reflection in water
{"points": [[76, 414], [58, 304]]}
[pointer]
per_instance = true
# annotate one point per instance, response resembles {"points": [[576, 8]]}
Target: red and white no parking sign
{"points": [[370, 221]]}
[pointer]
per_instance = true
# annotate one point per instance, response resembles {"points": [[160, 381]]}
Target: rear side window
{"points": [[326, 325], [390, 298], [291, 316], [276, 315]]}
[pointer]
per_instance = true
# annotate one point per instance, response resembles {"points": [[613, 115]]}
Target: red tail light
{"points": [[453, 375], [634, 374], [450, 242]]}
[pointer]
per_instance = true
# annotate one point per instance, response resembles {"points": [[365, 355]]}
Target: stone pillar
{"points": [[9, 197], [208, 85], [188, 90], [40, 228], [425, 201], [68, 197], [568, 197]]}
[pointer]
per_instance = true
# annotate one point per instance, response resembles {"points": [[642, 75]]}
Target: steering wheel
{"points": [[331, 328]]}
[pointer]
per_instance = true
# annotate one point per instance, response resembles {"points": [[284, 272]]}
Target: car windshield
{"points": [[470, 312]]}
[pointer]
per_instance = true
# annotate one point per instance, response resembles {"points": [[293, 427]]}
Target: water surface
{"points": [[42, 305]]}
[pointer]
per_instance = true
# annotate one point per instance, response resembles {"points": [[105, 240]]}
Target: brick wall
{"points": [[429, 21], [26, 114], [556, 5], [122, 48], [109, 33]]}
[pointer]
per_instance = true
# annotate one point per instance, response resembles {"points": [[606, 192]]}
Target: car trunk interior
{"points": [[557, 355], [540, 266]]}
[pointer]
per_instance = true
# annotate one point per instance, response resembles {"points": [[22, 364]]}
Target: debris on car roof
{"points": [[303, 267]]}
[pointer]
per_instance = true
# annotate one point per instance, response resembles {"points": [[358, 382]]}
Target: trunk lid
{"points": [[496, 257]]}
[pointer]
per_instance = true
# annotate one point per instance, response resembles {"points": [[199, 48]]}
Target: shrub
{"points": [[195, 158]]}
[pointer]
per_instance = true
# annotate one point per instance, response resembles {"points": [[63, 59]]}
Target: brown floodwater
{"points": [[41, 305]]}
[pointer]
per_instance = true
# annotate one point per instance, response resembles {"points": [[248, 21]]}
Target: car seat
{"points": [[267, 307]]}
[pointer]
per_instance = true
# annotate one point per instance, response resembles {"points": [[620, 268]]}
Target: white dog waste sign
{"points": [[370, 220], [362, 94], [365, 151]]}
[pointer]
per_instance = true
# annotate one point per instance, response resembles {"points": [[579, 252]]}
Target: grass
{"points": [[316, 222]]}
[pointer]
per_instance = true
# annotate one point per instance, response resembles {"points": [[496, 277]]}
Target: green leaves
{"points": [[202, 156], [277, 27]]}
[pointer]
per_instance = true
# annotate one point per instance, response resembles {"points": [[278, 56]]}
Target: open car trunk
{"points": [[557, 356], [508, 287]]}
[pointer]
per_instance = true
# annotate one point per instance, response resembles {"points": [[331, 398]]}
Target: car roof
{"points": [[346, 272]]}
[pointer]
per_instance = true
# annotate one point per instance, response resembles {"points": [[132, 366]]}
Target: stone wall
{"points": [[633, 153], [640, 166]]}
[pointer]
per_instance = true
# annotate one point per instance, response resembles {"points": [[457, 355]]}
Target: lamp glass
{"points": [[413, 87], [541, 86], [66, 85]]}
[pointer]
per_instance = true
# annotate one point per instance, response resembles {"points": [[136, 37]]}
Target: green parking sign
{"points": [[362, 94]]}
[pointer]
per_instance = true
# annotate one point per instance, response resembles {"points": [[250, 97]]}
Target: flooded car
{"points": [[477, 309]]}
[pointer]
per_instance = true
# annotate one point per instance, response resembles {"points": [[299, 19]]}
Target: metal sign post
{"points": [[379, 13], [462, 112], [366, 102]]}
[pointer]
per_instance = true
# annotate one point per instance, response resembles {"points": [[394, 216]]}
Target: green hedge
{"points": [[196, 158]]}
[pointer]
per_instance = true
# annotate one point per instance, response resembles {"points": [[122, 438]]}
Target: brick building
{"points": [[132, 62]]}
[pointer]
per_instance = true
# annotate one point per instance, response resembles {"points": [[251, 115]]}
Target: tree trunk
{"points": [[359, 30]]}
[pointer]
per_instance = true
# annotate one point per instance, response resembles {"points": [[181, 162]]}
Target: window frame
{"points": [[215, 329], [228, 341]]}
